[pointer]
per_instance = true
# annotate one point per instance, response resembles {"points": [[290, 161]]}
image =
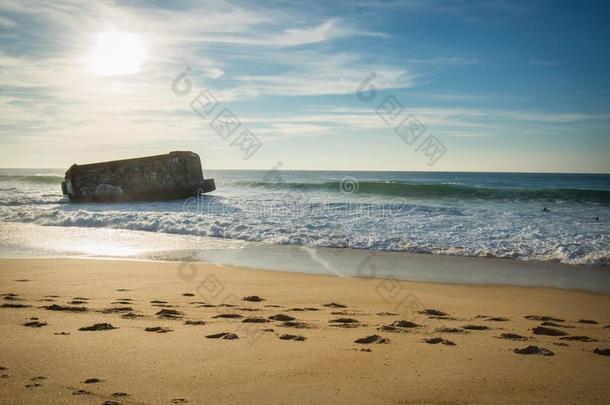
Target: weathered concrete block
{"points": [[163, 177]]}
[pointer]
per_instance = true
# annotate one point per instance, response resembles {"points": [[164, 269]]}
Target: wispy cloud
{"points": [[172, 39], [289, 71]]}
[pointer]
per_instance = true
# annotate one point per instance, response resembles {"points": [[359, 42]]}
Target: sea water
{"points": [[525, 216]]}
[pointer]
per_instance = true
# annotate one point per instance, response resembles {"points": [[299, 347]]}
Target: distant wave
{"points": [[44, 179], [432, 191]]}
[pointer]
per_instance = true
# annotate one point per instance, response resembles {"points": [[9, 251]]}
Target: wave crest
{"points": [[38, 179], [432, 191]]}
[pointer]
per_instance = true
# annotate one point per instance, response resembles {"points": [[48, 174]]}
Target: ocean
{"points": [[562, 218]]}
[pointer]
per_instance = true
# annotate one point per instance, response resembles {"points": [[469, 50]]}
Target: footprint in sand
{"points": [[534, 350], [158, 329], [188, 295], [296, 324], [255, 320], [249, 309], [433, 312], [228, 316], [334, 305], [77, 302], [512, 336], [12, 305], [344, 322], [115, 310], [589, 321], [398, 326], [119, 394], [179, 401], [404, 324], [578, 338], [543, 318], [603, 352], [223, 335], [293, 337], [97, 327], [169, 314], [372, 339], [445, 329], [111, 403], [476, 327], [61, 333], [556, 325], [437, 340], [92, 381], [35, 324], [253, 298], [492, 318], [131, 315], [543, 330], [81, 392], [66, 308], [281, 317]]}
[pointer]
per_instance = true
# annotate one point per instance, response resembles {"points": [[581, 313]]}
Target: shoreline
{"points": [[44, 241], [311, 359], [298, 273]]}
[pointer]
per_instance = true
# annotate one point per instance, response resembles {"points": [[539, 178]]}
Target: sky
{"points": [[491, 85]]}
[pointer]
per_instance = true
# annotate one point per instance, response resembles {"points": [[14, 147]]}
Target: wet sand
{"points": [[133, 332]]}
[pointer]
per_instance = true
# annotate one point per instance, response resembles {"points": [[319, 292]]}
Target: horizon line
{"points": [[354, 170]]}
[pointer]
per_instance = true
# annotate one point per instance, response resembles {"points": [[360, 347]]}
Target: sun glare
{"points": [[116, 53]]}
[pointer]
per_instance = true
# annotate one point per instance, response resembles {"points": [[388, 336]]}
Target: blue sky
{"points": [[503, 85]]}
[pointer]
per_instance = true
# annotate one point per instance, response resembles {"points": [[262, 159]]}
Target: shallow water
{"points": [[27, 240]]}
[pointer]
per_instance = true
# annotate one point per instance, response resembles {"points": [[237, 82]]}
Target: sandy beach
{"points": [[282, 202], [163, 333]]}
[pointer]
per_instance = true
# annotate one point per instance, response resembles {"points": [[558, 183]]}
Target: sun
{"points": [[116, 53]]}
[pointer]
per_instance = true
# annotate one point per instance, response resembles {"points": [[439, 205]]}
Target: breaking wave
{"points": [[399, 189], [36, 179]]}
